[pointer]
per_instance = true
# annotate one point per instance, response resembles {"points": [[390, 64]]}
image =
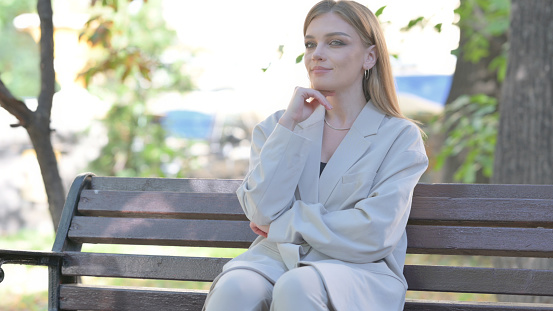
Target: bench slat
{"points": [[484, 191], [77, 297], [419, 278], [426, 305], [143, 266], [447, 240], [84, 297], [452, 240], [165, 232], [166, 184], [157, 204], [479, 280], [477, 211]]}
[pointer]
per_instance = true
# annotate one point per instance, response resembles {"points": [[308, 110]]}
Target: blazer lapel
{"points": [[352, 147], [312, 129]]}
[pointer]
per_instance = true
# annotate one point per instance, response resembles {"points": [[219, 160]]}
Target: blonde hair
{"points": [[380, 85]]}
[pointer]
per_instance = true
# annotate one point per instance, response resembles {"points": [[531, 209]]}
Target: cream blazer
{"points": [[349, 223]]}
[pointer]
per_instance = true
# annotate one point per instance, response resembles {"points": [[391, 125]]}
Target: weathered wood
{"points": [[498, 212], [480, 280], [158, 204], [143, 266], [166, 184], [82, 297], [426, 305], [514, 242], [484, 191], [483, 211], [490, 220], [169, 232]]}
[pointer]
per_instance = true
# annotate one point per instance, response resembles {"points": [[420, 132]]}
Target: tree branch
{"points": [[14, 106], [47, 73]]}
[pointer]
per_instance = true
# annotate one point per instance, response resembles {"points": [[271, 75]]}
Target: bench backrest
{"points": [[450, 219]]}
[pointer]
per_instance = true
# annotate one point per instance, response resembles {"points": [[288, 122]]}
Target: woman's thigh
{"points": [[240, 290]]}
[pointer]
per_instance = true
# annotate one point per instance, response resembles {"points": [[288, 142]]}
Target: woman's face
{"points": [[335, 56]]}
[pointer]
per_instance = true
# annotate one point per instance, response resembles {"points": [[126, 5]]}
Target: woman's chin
{"points": [[322, 86]]}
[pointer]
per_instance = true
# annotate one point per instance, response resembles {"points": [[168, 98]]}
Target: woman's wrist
{"points": [[287, 122]]}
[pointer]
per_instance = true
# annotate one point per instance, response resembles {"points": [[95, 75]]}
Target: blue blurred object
{"points": [[188, 124], [432, 87]]}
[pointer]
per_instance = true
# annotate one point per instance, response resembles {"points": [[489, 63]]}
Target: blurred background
{"points": [[170, 88]]}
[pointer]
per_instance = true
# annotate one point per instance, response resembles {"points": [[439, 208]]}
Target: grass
{"points": [[26, 287]]}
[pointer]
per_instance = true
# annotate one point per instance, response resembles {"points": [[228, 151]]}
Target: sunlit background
{"points": [[241, 58]]}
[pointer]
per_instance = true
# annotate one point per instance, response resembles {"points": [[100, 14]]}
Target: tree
{"points": [[524, 150], [132, 67], [37, 123], [525, 141], [470, 119]]}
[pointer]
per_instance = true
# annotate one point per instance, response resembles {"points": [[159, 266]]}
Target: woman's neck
{"points": [[346, 108]]}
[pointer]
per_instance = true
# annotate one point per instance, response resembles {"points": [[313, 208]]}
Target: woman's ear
{"points": [[370, 57]]}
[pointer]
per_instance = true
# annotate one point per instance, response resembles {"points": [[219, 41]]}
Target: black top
{"points": [[322, 168]]}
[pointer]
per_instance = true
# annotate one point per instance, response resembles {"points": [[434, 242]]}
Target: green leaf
{"points": [[265, 69], [414, 22], [438, 27], [299, 58], [379, 11]]}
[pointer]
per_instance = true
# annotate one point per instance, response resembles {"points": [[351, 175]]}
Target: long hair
{"points": [[379, 87]]}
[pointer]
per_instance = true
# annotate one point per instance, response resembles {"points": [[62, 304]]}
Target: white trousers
{"points": [[245, 290]]}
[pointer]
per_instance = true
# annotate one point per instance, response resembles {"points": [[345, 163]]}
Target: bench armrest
{"points": [[35, 258]]}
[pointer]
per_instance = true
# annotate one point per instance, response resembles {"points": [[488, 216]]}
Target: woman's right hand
{"points": [[300, 108], [259, 230]]}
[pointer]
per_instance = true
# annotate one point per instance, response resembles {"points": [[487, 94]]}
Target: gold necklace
{"points": [[337, 129]]}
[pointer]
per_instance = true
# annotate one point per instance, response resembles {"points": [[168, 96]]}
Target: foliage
{"points": [[131, 43], [479, 21], [473, 120], [472, 125], [18, 65]]}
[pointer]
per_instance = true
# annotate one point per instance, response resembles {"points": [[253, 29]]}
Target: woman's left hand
{"points": [[262, 230]]}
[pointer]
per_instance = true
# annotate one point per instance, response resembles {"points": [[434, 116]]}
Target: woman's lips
{"points": [[320, 70]]}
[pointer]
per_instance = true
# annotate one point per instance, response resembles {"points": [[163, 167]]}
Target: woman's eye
{"points": [[336, 42], [309, 45]]}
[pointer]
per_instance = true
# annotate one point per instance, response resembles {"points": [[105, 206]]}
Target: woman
{"points": [[330, 182]]}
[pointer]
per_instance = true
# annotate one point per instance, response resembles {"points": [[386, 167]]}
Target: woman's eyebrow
{"points": [[332, 34]]}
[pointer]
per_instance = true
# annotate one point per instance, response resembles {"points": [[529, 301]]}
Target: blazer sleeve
{"points": [[372, 228], [277, 158]]}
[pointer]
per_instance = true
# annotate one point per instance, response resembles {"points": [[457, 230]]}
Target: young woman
{"points": [[330, 183]]}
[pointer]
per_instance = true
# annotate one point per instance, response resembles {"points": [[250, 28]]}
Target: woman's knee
{"points": [[300, 284], [240, 289]]}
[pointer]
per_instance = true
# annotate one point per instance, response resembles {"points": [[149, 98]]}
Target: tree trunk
{"points": [[524, 151], [37, 123], [39, 130]]}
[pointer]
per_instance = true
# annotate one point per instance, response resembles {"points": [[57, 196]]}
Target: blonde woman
{"points": [[330, 183]]}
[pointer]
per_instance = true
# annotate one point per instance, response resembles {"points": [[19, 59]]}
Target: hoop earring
{"points": [[366, 75]]}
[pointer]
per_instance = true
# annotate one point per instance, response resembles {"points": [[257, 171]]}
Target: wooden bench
{"points": [[449, 219]]}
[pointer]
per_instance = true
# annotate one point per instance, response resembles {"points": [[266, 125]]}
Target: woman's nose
{"points": [[318, 54]]}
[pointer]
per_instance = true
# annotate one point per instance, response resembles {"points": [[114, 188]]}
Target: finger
{"points": [[321, 98], [260, 232], [315, 97]]}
